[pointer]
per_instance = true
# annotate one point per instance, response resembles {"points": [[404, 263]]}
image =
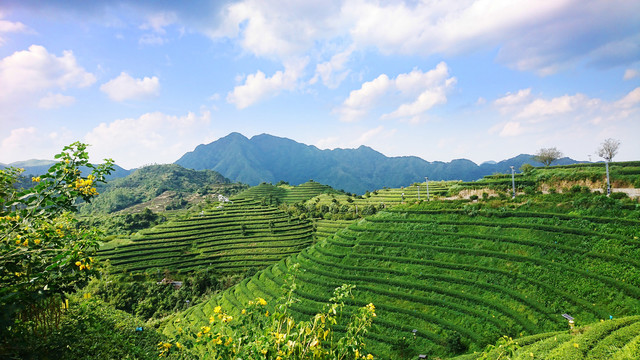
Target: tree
{"points": [[607, 150], [547, 155], [43, 253]]}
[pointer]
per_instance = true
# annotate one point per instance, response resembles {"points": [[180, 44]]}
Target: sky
{"points": [[145, 81]]}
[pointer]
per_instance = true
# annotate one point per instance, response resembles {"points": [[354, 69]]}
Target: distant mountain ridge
{"points": [[268, 158], [36, 167]]}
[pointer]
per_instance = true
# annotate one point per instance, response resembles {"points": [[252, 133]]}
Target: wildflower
{"points": [[37, 241], [228, 342], [25, 243], [264, 351], [575, 345], [212, 319], [217, 309], [369, 357], [178, 345], [267, 313], [81, 267], [35, 179], [227, 318], [78, 263], [357, 353], [243, 311], [205, 329], [262, 301]]}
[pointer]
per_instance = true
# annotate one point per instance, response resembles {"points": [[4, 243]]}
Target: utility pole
{"points": [[427, 179], [513, 181], [606, 164]]}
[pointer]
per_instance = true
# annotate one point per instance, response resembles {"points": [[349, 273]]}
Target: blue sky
{"points": [[144, 82]]}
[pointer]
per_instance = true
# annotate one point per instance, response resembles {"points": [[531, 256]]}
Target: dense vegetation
{"points": [[172, 186]]}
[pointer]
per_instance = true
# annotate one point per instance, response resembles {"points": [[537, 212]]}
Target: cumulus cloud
{"points": [[34, 70], [423, 90], [258, 86], [153, 137], [53, 101], [526, 115], [31, 143], [125, 87]]}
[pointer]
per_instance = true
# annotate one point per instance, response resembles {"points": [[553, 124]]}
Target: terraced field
{"points": [[451, 281], [241, 235], [615, 339], [272, 194]]}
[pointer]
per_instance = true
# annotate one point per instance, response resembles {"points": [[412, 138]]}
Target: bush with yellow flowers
{"points": [[255, 333], [43, 253]]}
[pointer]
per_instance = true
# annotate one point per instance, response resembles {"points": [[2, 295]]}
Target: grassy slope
{"points": [[462, 278]]}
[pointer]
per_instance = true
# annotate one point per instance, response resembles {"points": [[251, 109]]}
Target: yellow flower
{"points": [[211, 319], [575, 345], [25, 243], [217, 309], [267, 313], [243, 311], [205, 329], [78, 263], [81, 267], [37, 241], [357, 353], [369, 357], [178, 345], [228, 342], [35, 179], [262, 301], [264, 351]]}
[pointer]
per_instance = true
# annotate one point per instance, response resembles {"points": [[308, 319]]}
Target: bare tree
{"points": [[547, 155], [607, 150]]}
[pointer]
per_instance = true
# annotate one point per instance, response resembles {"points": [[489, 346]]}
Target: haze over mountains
{"points": [[268, 158]]}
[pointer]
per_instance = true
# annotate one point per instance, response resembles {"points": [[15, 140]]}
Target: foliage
{"points": [[42, 251], [547, 155], [149, 297], [89, 329], [255, 333]]}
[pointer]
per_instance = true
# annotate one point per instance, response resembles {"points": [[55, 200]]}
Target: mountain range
{"points": [[268, 158]]}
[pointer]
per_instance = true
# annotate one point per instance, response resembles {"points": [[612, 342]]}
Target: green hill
{"points": [[615, 339], [232, 238], [451, 277], [174, 185]]}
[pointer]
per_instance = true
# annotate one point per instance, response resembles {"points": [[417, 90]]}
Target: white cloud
{"points": [[153, 137], [257, 86], [31, 71], [630, 100], [369, 134], [125, 87], [509, 100], [630, 74], [422, 90], [559, 105], [7, 26], [30, 143], [53, 101], [327, 143], [566, 114], [157, 23], [333, 72]]}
